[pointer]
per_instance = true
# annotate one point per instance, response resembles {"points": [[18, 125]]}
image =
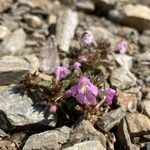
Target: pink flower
{"points": [[110, 94], [76, 66], [87, 39], [122, 47], [84, 92], [61, 72], [83, 58], [53, 108]]}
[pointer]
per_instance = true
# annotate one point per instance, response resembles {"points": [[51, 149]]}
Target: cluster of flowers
{"points": [[85, 92]]}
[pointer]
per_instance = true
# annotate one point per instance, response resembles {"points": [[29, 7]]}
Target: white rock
{"points": [[14, 43], [4, 31], [66, 25], [87, 145], [123, 60], [33, 21], [122, 78]]}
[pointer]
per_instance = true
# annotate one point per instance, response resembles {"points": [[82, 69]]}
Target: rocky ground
{"points": [[28, 29]]}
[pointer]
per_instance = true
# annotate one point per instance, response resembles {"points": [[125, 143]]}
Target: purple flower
{"points": [[76, 66], [53, 108], [61, 72], [87, 39], [110, 94], [122, 47], [84, 92]]}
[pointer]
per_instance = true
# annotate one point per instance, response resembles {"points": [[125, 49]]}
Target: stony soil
{"points": [[27, 31]]}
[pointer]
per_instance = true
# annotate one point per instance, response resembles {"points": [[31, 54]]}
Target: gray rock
{"points": [[145, 39], [33, 21], [102, 35], [148, 96], [147, 137], [143, 2], [3, 135], [143, 57], [4, 32], [86, 6], [136, 16], [26, 112], [128, 33], [148, 146], [85, 131], [14, 43], [123, 60], [48, 140], [87, 145], [12, 68], [110, 119], [49, 57], [33, 61], [67, 21], [124, 136], [9, 22], [146, 107], [44, 4], [138, 124], [122, 78]]}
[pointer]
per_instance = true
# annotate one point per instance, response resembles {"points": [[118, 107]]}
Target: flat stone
{"points": [[123, 60], [44, 4], [138, 124], [146, 108], [67, 21], [14, 43], [12, 68], [87, 145], [128, 101], [124, 136], [26, 112], [131, 15], [48, 140], [4, 32], [33, 21], [86, 6], [110, 119], [85, 131], [143, 57], [122, 78]]}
